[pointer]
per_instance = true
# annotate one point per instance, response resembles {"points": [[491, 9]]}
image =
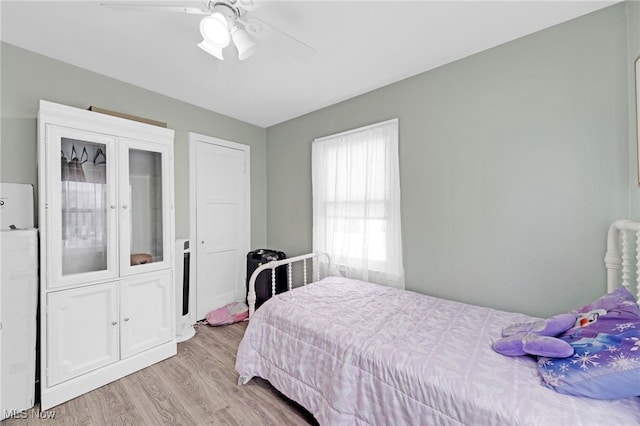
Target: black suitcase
{"points": [[259, 257]]}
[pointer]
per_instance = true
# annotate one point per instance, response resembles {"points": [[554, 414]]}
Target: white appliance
{"points": [[16, 205], [184, 327], [18, 299]]}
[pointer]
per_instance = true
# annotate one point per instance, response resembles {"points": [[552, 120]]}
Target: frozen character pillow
{"points": [[606, 341], [536, 338]]}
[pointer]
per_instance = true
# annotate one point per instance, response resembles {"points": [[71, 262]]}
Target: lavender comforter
{"points": [[357, 353]]}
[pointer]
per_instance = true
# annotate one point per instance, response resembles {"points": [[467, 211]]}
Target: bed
{"points": [[352, 352]]}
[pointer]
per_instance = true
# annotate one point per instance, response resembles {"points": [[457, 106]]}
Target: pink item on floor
{"points": [[228, 314]]}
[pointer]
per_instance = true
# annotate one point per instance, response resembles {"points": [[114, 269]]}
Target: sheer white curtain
{"points": [[356, 203]]}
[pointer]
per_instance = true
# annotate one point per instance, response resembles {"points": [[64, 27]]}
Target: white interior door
{"points": [[222, 235]]}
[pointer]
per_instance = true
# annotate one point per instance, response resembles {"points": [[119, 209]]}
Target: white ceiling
{"points": [[361, 46]]}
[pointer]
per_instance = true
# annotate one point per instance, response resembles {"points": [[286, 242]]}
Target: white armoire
{"points": [[106, 221]]}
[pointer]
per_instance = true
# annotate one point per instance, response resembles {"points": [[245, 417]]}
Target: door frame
{"points": [[195, 138]]}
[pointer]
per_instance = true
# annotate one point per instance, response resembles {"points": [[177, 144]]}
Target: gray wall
{"points": [[513, 162], [28, 77], [633, 39]]}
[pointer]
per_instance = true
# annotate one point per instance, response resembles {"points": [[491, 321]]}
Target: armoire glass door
{"points": [[82, 208], [144, 213]]}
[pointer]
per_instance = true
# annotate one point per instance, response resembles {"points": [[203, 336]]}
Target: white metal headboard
{"points": [[623, 256], [251, 296]]}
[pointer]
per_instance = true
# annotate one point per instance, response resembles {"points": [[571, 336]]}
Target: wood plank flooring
{"points": [[196, 387]]}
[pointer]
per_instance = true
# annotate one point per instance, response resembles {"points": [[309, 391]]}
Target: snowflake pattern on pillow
{"points": [[606, 359]]}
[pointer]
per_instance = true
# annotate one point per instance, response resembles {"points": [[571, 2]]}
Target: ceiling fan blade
{"points": [[251, 5], [289, 44], [141, 6]]}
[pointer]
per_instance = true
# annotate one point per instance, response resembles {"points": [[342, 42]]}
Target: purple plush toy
{"points": [[537, 338]]}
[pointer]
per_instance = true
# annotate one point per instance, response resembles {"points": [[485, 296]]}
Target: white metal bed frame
{"points": [[251, 296], [621, 246], [622, 269]]}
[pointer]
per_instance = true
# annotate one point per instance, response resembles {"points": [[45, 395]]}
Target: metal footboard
{"points": [[251, 296]]}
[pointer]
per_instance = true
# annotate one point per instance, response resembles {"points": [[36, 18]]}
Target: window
{"points": [[356, 203]]}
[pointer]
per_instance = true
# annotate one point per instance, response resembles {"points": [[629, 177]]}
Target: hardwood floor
{"points": [[196, 387]]}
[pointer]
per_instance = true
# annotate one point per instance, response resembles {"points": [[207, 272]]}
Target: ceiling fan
{"points": [[226, 22]]}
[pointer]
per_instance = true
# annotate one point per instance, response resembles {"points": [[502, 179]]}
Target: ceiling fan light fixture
{"points": [[244, 43], [215, 30], [210, 49]]}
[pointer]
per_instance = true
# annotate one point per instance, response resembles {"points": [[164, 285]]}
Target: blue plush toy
{"points": [[537, 338]]}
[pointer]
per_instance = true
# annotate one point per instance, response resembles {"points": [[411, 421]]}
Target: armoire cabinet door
{"points": [[145, 215], [147, 318], [82, 331], [81, 213]]}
